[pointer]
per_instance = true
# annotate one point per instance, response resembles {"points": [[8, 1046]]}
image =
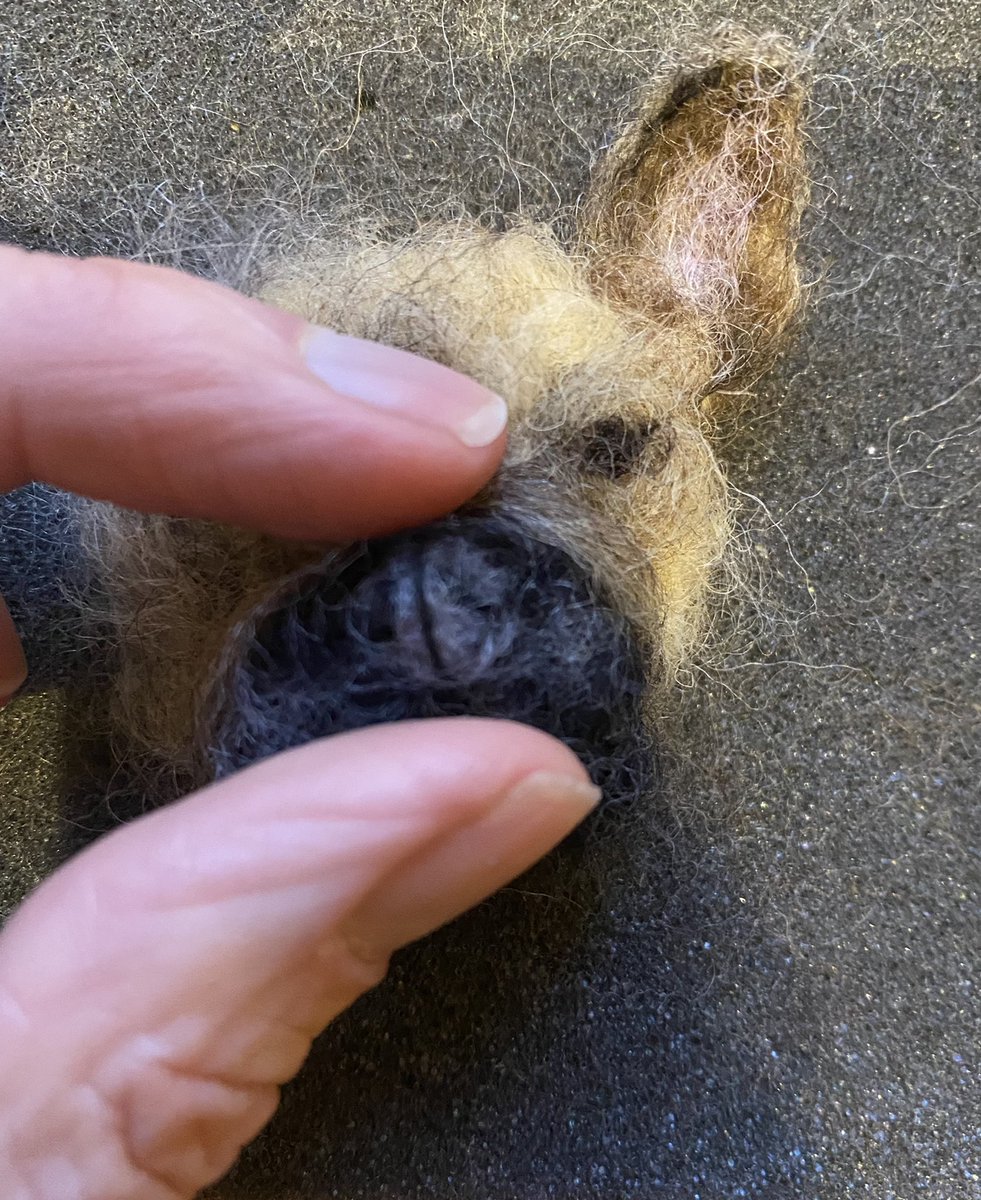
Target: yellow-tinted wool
{"points": [[516, 312]]}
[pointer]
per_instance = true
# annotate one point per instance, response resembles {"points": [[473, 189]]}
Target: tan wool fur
{"points": [[616, 355]]}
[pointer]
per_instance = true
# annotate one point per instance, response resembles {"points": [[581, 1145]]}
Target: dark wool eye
{"points": [[612, 448]]}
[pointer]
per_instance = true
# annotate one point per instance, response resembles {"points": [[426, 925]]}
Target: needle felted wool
{"points": [[574, 589]]}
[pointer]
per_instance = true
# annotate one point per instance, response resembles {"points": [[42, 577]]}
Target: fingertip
{"points": [[457, 763], [343, 472], [159, 391], [395, 381]]}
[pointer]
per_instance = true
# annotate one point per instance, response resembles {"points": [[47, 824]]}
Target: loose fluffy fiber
{"points": [[682, 279], [172, 592]]}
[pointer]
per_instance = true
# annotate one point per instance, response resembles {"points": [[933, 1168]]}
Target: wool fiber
{"points": [[616, 353]]}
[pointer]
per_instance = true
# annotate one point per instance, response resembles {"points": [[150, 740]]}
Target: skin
{"points": [[259, 908]]}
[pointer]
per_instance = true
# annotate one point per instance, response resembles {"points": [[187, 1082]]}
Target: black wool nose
{"points": [[467, 616]]}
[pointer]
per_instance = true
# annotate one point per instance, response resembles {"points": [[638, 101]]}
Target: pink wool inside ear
{"points": [[703, 231], [700, 257], [693, 216]]}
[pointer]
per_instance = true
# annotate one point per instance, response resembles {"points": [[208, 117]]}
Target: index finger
{"points": [[158, 391]]}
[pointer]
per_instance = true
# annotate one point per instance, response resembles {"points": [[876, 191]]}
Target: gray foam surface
{"points": [[764, 984]]}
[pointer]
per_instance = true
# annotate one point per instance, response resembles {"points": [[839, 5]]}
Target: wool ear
{"points": [[691, 218]]}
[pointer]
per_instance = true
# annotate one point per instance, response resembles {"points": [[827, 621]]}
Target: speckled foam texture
{"points": [[764, 983]]}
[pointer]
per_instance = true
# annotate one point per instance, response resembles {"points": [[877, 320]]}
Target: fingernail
{"points": [[566, 798], [406, 384], [458, 872], [525, 824]]}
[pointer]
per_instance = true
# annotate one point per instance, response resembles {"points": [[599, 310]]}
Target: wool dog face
{"points": [[572, 590]]}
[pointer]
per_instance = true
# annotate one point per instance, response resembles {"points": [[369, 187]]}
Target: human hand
{"points": [[157, 990]]}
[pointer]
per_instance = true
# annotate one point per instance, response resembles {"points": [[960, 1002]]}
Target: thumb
{"points": [[157, 990]]}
